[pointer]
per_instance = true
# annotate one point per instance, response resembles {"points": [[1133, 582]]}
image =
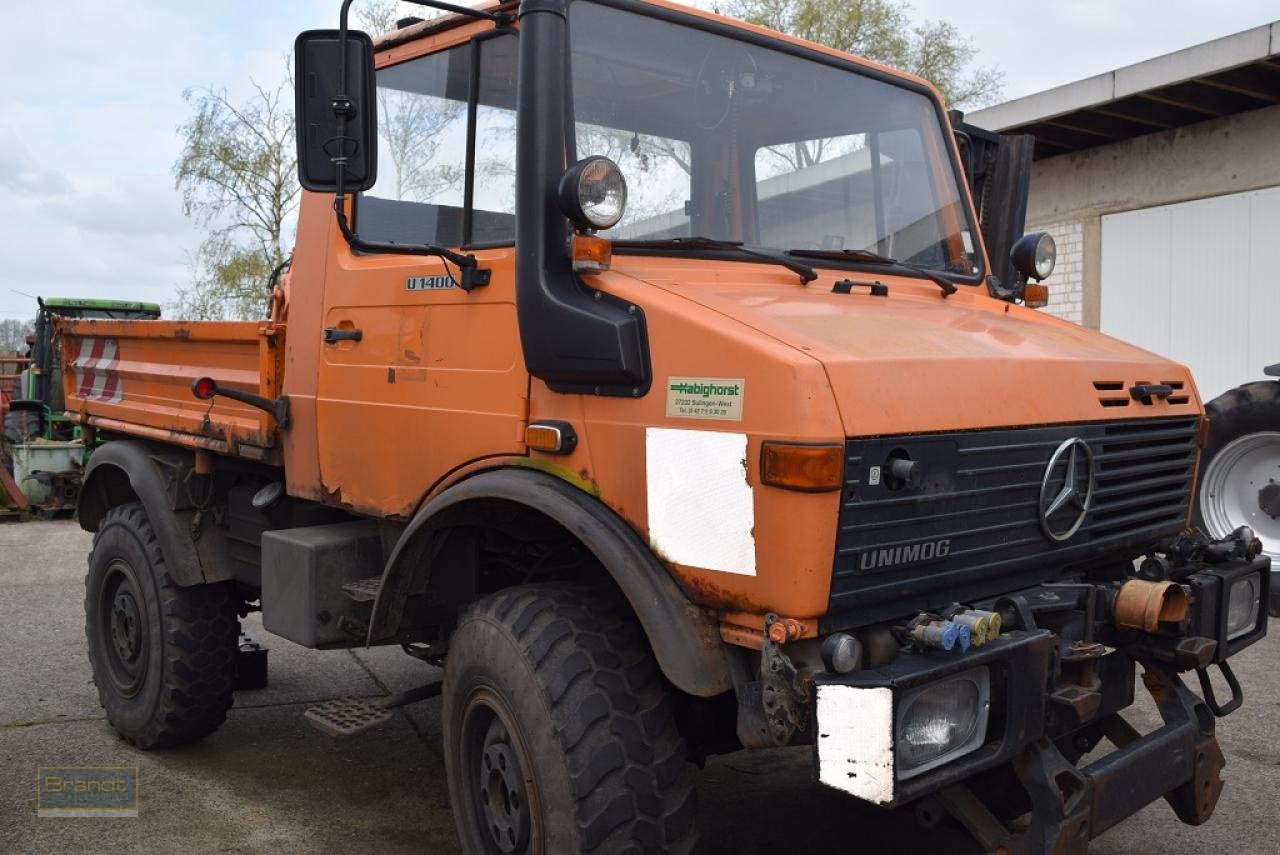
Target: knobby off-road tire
{"points": [[163, 657], [558, 730], [1242, 450], [23, 425]]}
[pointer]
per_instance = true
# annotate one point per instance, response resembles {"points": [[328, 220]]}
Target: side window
{"points": [[423, 116], [493, 216]]}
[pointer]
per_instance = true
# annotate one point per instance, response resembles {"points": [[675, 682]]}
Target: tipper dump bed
{"points": [[134, 377]]}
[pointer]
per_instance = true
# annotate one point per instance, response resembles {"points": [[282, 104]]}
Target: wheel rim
{"points": [[122, 628], [506, 809], [1241, 486]]}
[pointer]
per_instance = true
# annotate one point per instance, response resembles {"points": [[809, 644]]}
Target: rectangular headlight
{"points": [[1244, 601], [941, 721]]}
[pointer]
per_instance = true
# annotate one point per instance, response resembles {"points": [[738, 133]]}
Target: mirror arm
{"points": [[472, 275], [342, 108]]}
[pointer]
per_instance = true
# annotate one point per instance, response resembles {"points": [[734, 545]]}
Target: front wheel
{"points": [[1239, 479], [163, 657], [558, 731]]}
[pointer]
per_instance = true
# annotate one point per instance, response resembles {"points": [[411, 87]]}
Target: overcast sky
{"points": [[93, 97]]}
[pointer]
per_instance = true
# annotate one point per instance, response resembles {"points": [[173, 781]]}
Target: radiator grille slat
{"points": [[973, 528]]}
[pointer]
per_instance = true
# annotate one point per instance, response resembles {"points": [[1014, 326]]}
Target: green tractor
{"points": [[42, 453]]}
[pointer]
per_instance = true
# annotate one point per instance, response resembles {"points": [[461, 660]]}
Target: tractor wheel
{"points": [[23, 425], [558, 731], [1239, 481], [163, 657]]}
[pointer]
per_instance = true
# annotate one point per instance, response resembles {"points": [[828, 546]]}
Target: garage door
{"points": [[1198, 282]]}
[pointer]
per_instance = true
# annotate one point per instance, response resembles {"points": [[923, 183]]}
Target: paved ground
{"points": [[266, 782]]}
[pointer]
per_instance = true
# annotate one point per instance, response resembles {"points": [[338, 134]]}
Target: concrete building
{"points": [[1161, 183]]}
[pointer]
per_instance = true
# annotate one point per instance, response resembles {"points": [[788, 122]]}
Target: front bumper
{"points": [[854, 738], [1044, 713]]}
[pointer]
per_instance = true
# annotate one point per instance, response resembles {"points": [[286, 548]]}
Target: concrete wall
{"points": [[1070, 193]]}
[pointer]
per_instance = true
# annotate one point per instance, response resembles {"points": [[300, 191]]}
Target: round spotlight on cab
{"points": [[593, 193], [1034, 255], [841, 653]]}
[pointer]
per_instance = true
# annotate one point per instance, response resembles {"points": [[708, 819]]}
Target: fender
{"points": [[685, 638], [123, 471]]}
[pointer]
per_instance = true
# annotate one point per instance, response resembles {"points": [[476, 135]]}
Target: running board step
{"points": [[363, 590], [349, 716]]}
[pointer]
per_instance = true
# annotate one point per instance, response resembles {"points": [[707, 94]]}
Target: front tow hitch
{"points": [[1070, 805]]}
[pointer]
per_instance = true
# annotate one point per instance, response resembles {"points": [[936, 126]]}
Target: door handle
{"points": [[334, 334]]}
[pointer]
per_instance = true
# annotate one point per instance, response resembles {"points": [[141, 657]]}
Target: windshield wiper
{"points": [[806, 273], [866, 256]]}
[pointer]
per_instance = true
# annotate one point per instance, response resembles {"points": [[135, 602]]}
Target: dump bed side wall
{"points": [[135, 377]]}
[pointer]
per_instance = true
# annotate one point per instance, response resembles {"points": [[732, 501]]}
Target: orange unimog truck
{"points": [[655, 375]]}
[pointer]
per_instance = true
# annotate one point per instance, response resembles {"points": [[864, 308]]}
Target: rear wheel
{"points": [[23, 425], [1239, 481], [163, 657], [558, 731]]}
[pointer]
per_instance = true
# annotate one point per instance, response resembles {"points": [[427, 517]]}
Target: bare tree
{"points": [[880, 30], [237, 174], [13, 336]]}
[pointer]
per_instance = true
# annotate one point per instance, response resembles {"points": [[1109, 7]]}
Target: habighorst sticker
{"points": [[705, 398], [428, 283]]}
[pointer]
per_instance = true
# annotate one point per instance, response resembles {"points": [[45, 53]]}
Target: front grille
{"points": [[972, 528]]}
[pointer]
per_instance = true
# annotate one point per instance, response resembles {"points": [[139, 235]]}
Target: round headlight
{"points": [[593, 193], [1034, 255]]}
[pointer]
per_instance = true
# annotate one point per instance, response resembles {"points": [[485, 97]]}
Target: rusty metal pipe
{"points": [[1144, 605]]}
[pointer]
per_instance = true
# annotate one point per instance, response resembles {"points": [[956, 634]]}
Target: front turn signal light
{"points": [[795, 466], [1035, 295], [553, 437], [591, 254]]}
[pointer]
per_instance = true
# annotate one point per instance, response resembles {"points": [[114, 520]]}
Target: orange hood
{"points": [[915, 362]]}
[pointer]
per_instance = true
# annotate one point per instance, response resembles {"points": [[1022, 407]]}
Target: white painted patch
{"points": [[701, 509], [855, 741]]}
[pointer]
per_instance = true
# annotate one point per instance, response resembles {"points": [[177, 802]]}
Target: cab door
{"points": [[416, 376]]}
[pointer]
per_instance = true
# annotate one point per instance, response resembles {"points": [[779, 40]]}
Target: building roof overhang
{"points": [[1229, 75]]}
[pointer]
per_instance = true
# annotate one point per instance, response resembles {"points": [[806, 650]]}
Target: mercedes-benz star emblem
{"points": [[1066, 490]]}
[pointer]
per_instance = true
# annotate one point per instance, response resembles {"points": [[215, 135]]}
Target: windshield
{"points": [[729, 140]]}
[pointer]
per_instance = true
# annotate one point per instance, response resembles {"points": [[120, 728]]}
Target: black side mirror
{"points": [[337, 119]]}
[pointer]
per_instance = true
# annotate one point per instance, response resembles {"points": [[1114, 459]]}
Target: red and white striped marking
{"points": [[95, 370]]}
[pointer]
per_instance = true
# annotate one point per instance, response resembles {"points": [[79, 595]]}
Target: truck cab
{"points": [[655, 375]]}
